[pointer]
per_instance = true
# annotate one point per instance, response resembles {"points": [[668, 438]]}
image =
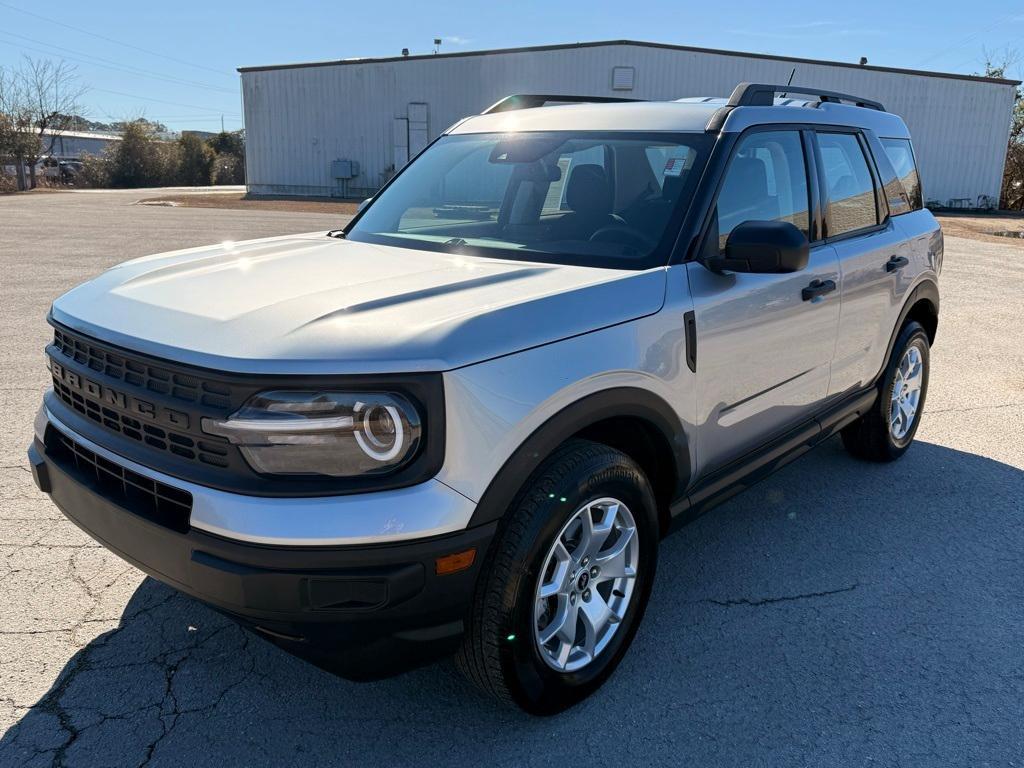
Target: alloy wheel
{"points": [[586, 584], [906, 393]]}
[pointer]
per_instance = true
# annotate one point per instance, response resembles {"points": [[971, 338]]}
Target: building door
{"points": [[400, 142], [410, 134], [418, 129]]}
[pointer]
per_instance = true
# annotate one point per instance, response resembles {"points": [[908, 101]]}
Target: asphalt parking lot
{"points": [[838, 614]]}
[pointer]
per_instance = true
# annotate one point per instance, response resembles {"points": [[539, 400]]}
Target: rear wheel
{"points": [[567, 581], [885, 432]]}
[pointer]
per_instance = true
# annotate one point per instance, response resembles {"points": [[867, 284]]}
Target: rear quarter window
{"points": [[901, 157]]}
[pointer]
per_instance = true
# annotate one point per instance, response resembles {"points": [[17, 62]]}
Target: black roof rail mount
{"points": [[762, 95], [530, 100]]}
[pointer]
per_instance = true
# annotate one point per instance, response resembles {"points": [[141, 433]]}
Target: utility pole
{"points": [[222, 123]]}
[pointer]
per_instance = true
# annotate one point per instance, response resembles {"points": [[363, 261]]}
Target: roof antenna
{"points": [[788, 82]]}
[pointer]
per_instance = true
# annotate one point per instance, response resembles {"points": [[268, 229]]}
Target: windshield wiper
{"points": [[455, 242]]}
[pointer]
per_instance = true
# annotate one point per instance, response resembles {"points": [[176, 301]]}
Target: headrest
{"points": [[588, 190], [746, 185], [750, 172]]}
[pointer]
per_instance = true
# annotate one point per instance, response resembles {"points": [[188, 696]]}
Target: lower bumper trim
{"points": [[361, 611], [40, 475]]}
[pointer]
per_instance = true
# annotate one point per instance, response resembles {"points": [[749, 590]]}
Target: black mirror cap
{"points": [[764, 247]]}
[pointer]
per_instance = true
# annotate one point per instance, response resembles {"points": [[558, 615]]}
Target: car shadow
{"points": [[838, 612]]}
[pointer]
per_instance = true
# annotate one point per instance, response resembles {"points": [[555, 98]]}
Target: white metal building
{"points": [[74, 145], [301, 119]]}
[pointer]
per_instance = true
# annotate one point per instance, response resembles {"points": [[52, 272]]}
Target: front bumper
{"points": [[363, 611]]}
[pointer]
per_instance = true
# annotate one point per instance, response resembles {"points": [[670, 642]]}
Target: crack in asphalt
{"points": [[973, 408], [176, 711], [51, 702], [168, 709], [780, 599]]}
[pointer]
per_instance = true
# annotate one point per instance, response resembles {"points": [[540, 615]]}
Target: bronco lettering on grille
{"points": [[138, 407]]}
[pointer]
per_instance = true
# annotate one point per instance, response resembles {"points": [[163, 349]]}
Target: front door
{"points": [[764, 350]]}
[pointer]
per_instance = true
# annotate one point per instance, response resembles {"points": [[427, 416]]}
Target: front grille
{"points": [[152, 500], [133, 377], [205, 451], [151, 410], [141, 373]]}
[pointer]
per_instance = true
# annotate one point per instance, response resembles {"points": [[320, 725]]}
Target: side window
{"points": [[848, 183], [901, 155], [892, 188], [766, 181]]}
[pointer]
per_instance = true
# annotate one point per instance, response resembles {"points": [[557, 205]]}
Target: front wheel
{"points": [[567, 583], [885, 432]]}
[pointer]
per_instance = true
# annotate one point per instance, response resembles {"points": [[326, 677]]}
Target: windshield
{"points": [[596, 199]]}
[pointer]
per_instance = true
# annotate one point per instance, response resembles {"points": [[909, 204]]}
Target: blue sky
{"points": [[175, 62]]}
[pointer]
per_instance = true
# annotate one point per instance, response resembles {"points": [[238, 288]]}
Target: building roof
{"points": [[88, 135], [639, 43]]}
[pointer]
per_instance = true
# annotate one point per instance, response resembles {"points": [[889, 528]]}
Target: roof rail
{"points": [[761, 95], [530, 100]]}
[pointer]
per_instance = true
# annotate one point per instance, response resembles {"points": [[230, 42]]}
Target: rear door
{"points": [[873, 255], [763, 351]]}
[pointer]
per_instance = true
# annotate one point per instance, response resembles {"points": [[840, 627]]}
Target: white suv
{"points": [[463, 422]]}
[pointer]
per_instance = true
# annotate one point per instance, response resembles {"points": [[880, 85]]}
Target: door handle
{"points": [[818, 288], [895, 263]]}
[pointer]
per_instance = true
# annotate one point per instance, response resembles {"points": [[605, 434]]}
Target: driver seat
{"points": [[588, 194]]}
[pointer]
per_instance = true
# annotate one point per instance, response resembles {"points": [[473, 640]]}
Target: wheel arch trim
{"points": [[618, 402], [926, 290]]}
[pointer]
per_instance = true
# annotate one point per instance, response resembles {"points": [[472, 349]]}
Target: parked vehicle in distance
{"points": [[58, 170], [462, 423]]}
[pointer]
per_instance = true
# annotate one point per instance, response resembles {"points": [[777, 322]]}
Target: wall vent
{"points": [[623, 78]]}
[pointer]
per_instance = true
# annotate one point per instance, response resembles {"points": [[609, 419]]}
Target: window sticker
{"points": [[675, 166]]}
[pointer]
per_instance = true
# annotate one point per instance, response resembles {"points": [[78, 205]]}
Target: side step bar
{"points": [[748, 470]]}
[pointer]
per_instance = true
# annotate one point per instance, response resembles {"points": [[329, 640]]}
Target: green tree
{"points": [[196, 166], [229, 169], [230, 162], [228, 143], [138, 160]]}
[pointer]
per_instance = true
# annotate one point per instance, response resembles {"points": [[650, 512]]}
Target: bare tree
{"points": [[1012, 193], [50, 94], [17, 135]]}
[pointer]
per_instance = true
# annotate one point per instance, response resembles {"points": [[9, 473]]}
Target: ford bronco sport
{"points": [[463, 422]]}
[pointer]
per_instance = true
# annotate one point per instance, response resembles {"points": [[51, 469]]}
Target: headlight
{"points": [[339, 434]]}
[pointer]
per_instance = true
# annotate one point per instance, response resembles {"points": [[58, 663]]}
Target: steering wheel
{"points": [[624, 234]]}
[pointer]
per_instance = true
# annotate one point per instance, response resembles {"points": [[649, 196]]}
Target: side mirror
{"points": [[362, 205], [763, 247]]}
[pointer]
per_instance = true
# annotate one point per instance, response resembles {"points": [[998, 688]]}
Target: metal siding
{"points": [[299, 120]]}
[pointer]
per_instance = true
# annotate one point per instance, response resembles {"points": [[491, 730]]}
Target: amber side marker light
{"points": [[454, 563]]}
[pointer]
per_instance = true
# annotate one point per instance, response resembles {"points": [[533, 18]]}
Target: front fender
{"points": [[627, 402]]}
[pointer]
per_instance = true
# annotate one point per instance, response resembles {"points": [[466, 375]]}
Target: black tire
{"points": [[499, 653], [869, 437]]}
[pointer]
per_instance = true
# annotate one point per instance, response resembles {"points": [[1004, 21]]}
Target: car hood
{"points": [[317, 304]]}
